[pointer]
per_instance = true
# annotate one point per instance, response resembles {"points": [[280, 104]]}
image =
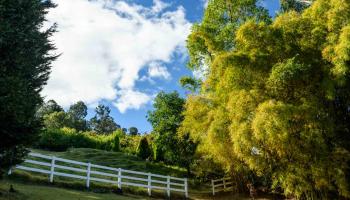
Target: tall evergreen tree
{"points": [[144, 150], [25, 62]]}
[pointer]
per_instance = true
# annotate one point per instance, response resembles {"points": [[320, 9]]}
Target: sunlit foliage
{"points": [[276, 101]]}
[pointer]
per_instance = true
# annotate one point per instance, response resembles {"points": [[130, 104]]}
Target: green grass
{"points": [[112, 159], [30, 191], [38, 192], [117, 160]]}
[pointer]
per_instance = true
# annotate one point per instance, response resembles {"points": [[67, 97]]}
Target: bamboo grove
{"points": [[273, 106]]}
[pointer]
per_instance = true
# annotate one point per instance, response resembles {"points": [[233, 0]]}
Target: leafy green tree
{"points": [[133, 131], [48, 108], [221, 20], [166, 119], [102, 122], [25, 62], [212, 37], [76, 114], [277, 103], [56, 120], [55, 117], [144, 150]]}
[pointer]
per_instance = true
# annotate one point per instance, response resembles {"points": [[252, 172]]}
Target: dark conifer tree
{"points": [[25, 62]]}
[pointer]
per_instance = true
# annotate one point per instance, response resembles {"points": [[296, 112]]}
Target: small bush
{"points": [[116, 146], [144, 150], [129, 144]]}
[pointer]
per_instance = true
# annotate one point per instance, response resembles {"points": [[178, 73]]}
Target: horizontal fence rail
{"points": [[54, 166], [223, 184]]}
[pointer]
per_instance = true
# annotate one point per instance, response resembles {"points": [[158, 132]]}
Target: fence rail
{"points": [[223, 184], [89, 172]]}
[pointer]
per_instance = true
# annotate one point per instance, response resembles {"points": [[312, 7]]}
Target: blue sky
{"points": [[122, 53]]}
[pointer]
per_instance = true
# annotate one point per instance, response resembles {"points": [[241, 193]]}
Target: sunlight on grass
{"points": [[38, 192]]}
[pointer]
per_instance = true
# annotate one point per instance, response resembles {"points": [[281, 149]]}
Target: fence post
{"points": [[88, 175], [149, 184], [168, 186], [224, 184], [213, 187], [186, 188], [52, 168], [119, 178]]}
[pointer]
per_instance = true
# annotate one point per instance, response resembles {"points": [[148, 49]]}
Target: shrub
{"points": [[116, 146], [79, 139], [129, 144], [144, 150], [54, 139], [64, 138]]}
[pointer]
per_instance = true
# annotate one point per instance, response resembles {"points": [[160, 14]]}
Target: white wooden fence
{"points": [[223, 184], [91, 172]]}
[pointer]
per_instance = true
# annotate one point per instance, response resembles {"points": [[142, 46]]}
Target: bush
{"points": [[144, 150], [64, 138], [158, 153], [129, 144], [54, 139], [116, 146]]}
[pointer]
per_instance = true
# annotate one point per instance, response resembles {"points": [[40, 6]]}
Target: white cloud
{"points": [[131, 100], [159, 5], [105, 44], [147, 78], [205, 3], [156, 70]]}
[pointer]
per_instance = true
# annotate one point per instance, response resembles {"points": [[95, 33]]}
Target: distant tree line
{"points": [[65, 129], [54, 117]]}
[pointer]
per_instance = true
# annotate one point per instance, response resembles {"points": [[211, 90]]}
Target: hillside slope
{"points": [[117, 160], [32, 184]]}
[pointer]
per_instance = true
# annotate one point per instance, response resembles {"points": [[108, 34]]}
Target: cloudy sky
{"points": [[121, 53]]}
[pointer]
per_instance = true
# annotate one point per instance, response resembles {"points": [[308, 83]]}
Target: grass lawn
{"points": [[25, 191], [39, 192]]}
